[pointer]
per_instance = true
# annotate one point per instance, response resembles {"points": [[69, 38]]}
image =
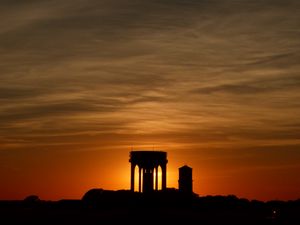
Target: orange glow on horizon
{"points": [[111, 171], [210, 83]]}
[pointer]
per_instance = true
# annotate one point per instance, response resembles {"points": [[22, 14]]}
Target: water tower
{"points": [[148, 162]]}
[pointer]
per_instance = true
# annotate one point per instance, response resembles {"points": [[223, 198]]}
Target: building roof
{"points": [[185, 167]]}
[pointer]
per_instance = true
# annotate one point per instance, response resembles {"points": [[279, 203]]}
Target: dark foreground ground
{"points": [[123, 207]]}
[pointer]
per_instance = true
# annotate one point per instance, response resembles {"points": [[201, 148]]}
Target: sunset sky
{"points": [[215, 83]]}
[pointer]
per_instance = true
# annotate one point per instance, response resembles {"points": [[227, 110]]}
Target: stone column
{"points": [[140, 179], [132, 177], [164, 177]]}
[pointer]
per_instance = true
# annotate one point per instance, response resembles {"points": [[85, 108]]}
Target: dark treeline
{"points": [[164, 207]]}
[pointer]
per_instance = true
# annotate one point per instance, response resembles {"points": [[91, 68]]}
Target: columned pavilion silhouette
{"points": [[148, 162]]}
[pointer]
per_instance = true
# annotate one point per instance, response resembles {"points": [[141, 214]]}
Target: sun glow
{"points": [[137, 177], [159, 178]]}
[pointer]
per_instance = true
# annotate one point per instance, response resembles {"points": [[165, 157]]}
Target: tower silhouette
{"points": [[148, 162], [185, 179]]}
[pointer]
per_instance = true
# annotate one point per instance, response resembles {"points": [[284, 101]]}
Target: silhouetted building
{"points": [[185, 179], [148, 162]]}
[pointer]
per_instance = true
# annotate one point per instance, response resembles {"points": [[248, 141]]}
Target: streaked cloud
{"points": [[188, 73]]}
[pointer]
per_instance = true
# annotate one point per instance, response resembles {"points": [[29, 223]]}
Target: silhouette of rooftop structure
{"points": [[148, 163], [185, 182]]}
